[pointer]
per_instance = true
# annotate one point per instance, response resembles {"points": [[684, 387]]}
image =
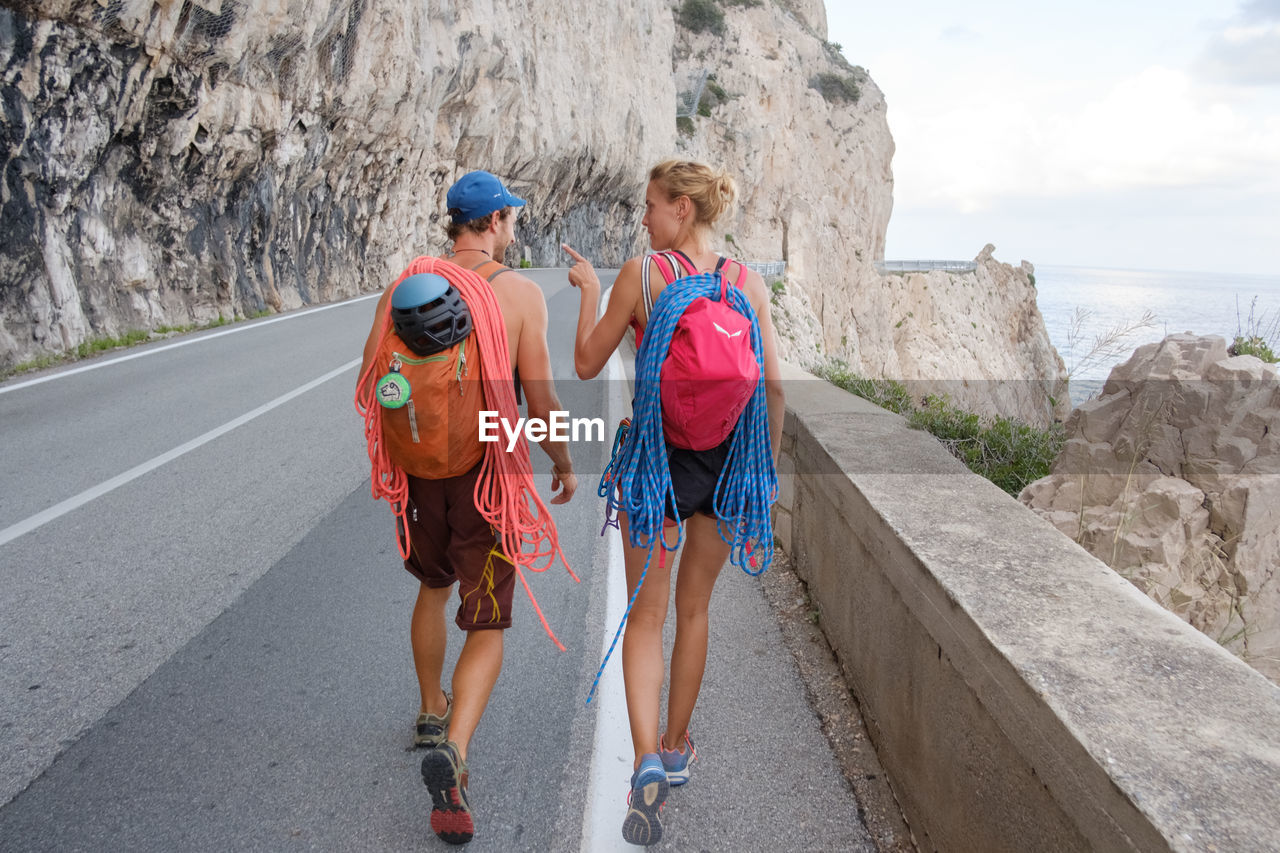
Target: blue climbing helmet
{"points": [[429, 314]]}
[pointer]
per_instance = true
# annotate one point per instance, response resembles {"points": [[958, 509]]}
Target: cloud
{"points": [[1158, 128], [961, 34], [1261, 10], [1162, 129], [1245, 51]]}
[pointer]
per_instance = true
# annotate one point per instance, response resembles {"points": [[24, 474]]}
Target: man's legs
{"points": [[429, 636], [444, 769], [473, 678]]}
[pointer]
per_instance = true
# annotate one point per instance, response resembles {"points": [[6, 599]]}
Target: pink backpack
{"points": [[711, 370]]}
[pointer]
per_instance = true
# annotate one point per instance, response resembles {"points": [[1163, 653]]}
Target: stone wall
{"points": [[1020, 694]]}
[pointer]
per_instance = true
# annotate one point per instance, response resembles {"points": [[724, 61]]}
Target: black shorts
{"points": [[693, 478]]}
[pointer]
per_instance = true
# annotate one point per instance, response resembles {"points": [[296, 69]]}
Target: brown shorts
{"points": [[451, 541]]}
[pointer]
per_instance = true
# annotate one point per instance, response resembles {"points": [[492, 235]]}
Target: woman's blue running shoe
{"points": [[677, 762], [649, 787]]}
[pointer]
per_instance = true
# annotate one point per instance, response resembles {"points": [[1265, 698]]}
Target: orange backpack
{"points": [[436, 434]]}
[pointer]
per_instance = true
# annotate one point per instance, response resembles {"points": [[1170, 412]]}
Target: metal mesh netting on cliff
{"points": [[242, 40]]}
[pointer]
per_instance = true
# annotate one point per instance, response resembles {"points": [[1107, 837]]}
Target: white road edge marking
{"points": [[612, 756], [197, 339], [58, 510]]}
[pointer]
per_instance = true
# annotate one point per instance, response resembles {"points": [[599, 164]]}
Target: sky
{"points": [[1129, 133]]}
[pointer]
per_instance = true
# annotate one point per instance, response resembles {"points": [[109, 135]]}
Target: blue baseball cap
{"points": [[478, 194]]}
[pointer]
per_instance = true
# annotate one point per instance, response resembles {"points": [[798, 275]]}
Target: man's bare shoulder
{"points": [[519, 288]]}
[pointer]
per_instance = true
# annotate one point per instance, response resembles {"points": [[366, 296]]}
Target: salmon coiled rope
{"points": [[505, 494]]}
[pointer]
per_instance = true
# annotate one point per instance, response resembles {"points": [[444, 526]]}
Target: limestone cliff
{"points": [[168, 162], [173, 162], [1171, 478], [807, 134]]}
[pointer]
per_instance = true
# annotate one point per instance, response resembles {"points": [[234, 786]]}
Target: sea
{"points": [[1084, 307]]}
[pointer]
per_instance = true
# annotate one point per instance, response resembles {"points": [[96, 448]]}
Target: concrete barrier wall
{"points": [[1021, 695]]}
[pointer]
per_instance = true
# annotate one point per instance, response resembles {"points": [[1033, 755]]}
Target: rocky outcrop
{"points": [[1172, 478], [977, 338], [170, 163]]}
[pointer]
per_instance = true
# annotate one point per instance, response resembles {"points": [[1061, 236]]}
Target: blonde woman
{"points": [[683, 201]]}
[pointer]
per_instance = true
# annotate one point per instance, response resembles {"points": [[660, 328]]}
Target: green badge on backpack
{"points": [[393, 389]]}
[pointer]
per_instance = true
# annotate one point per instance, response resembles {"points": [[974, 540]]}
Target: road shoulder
{"points": [[836, 707]]}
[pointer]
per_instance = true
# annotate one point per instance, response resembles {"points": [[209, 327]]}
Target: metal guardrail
{"points": [[767, 268], [687, 97], [925, 266]]}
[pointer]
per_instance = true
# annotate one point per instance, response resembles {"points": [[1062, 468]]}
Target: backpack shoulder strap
{"points": [[689, 267], [666, 268], [644, 287], [724, 262], [721, 266]]}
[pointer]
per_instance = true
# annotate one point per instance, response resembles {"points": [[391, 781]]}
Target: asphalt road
{"points": [[204, 629]]}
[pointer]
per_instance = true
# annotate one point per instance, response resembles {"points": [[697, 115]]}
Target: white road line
{"points": [[197, 339], [612, 755], [58, 510]]}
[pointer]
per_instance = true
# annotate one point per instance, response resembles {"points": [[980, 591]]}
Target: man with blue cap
{"points": [[450, 540], [473, 200]]}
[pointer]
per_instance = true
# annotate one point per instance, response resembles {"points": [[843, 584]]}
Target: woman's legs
{"points": [[642, 662], [428, 635], [704, 555]]}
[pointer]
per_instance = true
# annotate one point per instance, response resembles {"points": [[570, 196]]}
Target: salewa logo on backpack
{"points": [[725, 331], [707, 380]]}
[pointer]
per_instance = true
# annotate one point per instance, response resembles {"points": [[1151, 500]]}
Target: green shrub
{"points": [[885, 393], [1256, 335], [684, 125], [97, 345], [713, 95], [1007, 452], [1253, 345], [835, 52], [701, 16], [836, 87]]}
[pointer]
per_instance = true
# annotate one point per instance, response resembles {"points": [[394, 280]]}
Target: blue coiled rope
{"points": [[748, 482]]}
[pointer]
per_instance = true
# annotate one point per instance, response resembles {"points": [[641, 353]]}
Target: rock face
{"points": [[170, 163], [1172, 478]]}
